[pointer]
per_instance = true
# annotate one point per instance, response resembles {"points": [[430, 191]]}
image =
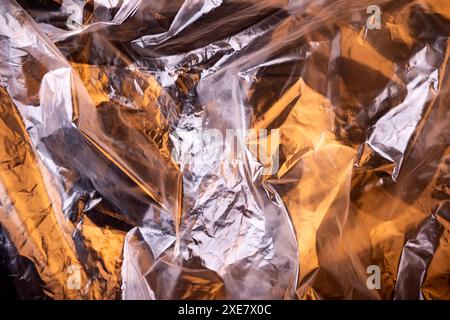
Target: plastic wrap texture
{"points": [[96, 98]]}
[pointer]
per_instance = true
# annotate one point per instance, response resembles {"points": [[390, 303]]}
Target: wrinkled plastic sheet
{"points": [[96, 95]]}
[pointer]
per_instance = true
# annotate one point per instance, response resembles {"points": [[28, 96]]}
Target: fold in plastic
{"points": [[95, 97]]}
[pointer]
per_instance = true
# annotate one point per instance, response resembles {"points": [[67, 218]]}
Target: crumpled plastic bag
{"points": [[97, 97]]}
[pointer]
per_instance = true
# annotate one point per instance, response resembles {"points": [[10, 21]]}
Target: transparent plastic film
{"points": [[221, 149]]}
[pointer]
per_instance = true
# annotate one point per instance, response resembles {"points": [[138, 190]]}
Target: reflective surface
{"points": [[95, 96]]}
